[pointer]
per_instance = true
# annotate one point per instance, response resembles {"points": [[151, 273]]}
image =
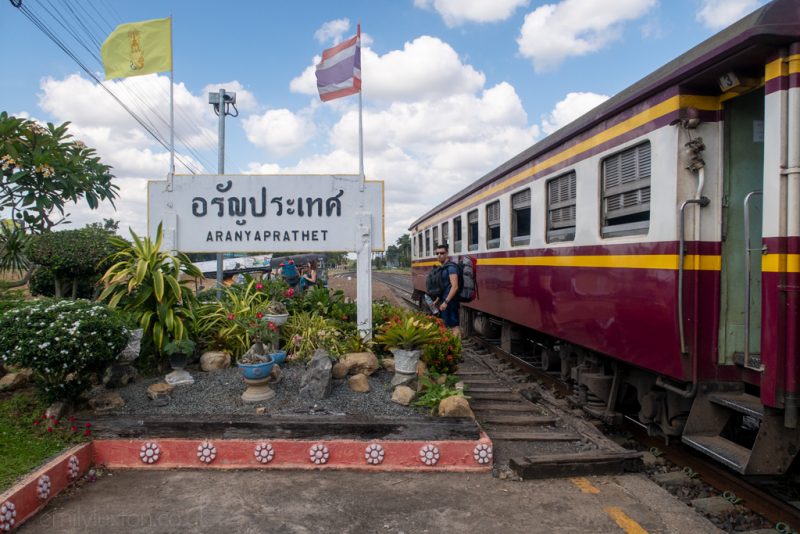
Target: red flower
{"points": [[55, 421], [272, 326], [88, 425], [260, 315], [52, 417], [36, 422], [71, 419], [289, 292], [259, 286], [87, 433], [74, 428], [49, 428], [230, 317]]}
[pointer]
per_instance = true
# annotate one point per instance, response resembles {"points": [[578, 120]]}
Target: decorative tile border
{"points": [[26, 498]]}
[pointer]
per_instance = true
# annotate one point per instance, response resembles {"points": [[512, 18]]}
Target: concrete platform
{"points": [[345, 501]]}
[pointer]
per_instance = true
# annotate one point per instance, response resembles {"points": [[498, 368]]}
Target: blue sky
{"points": [[452, 88]]}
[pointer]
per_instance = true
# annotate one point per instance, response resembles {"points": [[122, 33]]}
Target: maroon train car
{"points": [[650, 250]]}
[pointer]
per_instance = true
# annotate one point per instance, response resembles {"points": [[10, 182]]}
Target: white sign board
{"points": [[259, 213]]}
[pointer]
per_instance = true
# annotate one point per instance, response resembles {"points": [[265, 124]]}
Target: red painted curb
{"points": [[26, 498]]}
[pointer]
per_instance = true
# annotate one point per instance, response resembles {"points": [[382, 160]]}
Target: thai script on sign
{"points": [[263, 206]]}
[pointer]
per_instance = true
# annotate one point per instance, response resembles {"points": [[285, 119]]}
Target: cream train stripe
{"points": [[631, 261]]}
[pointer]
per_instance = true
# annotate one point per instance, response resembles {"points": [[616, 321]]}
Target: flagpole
{"points": [[360, 125], [171, 109]]}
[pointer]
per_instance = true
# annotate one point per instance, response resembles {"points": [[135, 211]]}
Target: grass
{"points": [[23, 446]]}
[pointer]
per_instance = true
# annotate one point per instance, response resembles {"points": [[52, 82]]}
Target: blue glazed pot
{"points": [[278, 357], [256, 371]]}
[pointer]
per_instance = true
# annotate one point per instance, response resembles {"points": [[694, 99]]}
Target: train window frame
{"points": [[630, 217], [420, 245], [445, 233], [493, 224], [458, 233], [435, 236], [521, 202], [427, 242], [472, 231], [562, 232]]}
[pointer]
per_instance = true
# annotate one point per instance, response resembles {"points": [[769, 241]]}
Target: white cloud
{"points": [[570, 108], [553, 32], [332, 30], [279, 131], [717, 14], [457, 12], [426, 68]]}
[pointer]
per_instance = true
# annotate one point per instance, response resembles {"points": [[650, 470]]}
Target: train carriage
{"points": [[651, 248]]}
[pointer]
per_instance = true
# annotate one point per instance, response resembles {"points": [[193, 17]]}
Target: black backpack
{"points": [[467, 289], [434, 285]]}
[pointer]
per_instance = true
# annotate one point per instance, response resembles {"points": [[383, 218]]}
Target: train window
{"points": [[472, 230], [493, 225], [626, 192], [435, 236], [445, 233], [561, 194], [521, 218], [419, 246], [457, 234], [428, 242]]}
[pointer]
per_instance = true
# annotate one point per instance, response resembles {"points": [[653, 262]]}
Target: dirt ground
{"points": [[347, 283]]}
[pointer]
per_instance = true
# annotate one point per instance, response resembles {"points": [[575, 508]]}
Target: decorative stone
{"points": [[261, 410], [358, 383], [276, 374], [215, 361], [403, 395], [179, 377], [43, 487], [429, 454], [365, 363], [160, 391], [403, 379], [374, 454], [13, 381], [422, 369], [388, 364], [56, 410], [73, 467], [455, 406], [264, 452], [106, 402], [118, 375], [8, 516], [318, 454], [149, 452], [131, 350], [316, 382], [206, 452], [482, 453], [441, 380], [339, 370]]}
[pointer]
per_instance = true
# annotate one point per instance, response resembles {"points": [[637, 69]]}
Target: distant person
{"points": [[449, 305], [309, 277]]}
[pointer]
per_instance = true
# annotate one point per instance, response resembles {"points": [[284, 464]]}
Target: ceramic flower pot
{"points": [[278, 319], [405, 361], [256, 371], [278, 357]]}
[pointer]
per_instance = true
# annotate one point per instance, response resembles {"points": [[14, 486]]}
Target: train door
{"points": [[743, 178]]}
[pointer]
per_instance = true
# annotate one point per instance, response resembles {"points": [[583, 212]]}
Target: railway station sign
{"points": [[259, 213]]}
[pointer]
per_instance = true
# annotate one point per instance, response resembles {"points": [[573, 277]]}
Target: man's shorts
{"points": [[450, 314]]}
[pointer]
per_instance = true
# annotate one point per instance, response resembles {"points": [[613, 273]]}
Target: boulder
{"points": [[215, 361], [160, 390], [402, 379], [57, 410], [15, 380], [441, 380], [422, 369], [316, 382], [403, 395], [131, 350], [388, 364], [276, 374], [339, 370], [358, 383], [455, 406], [118, 375], [365, 363], [106, 402]]}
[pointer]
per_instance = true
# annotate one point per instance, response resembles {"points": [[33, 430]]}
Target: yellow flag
{"points": [[138, 48]]}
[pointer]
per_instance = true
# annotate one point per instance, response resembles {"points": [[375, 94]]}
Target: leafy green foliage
{"points": [[411, 332], [433, 393], [62, 341], [146, 282], [42, 169], [306, 332], [443, 354], [13, 245]]}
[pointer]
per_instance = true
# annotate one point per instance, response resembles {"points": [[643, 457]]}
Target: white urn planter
{"points": [[405, 365]]}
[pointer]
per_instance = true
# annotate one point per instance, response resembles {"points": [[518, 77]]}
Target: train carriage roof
{"points": [[751, 40]]}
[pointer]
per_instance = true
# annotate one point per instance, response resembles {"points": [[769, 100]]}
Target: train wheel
{"points": [[550, 360]]}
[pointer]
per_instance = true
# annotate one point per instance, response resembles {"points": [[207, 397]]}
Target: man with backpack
{"points": [[447, 300]]}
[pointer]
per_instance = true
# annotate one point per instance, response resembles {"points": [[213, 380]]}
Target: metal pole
{"points": [[220, 170]]}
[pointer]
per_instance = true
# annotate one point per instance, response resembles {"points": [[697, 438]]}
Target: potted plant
{"points": [[277, 313], [405, 338], [179, 351]]}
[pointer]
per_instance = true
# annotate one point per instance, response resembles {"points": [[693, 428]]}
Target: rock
{"points": [[106, 402], [358, 383], [261, 410], [56, 410], [179, 377], [16, 380], [160, 390], [422, 369], [276, 374], [403, 395], [131, 350], [402, 379], [441, 380], [716, 506], [364, 363], [215, 361], [455, 406], [339, 370], [651, 460], [316, 382], [388, 364], [675, 479], [118, 375], [459, 385]]}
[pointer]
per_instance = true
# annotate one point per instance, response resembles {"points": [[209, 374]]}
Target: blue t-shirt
{"points": [[449, 269]]}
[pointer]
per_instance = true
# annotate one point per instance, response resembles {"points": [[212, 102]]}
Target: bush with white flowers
{"points": [[62, 341]]}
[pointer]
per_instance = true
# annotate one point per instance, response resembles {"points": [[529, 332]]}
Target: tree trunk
{"points": [[74, 288], [57, 283]]}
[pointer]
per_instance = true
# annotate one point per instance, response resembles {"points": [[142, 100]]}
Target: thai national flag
{"points": [[339, 72]]}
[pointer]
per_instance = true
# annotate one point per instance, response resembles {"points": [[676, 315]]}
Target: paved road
{"points": [[339, 501]]}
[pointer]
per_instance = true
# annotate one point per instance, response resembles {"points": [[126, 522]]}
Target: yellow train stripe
{"points": [[781, 263], [669, 105], [624, 521], [774, 69], [584, 485]]}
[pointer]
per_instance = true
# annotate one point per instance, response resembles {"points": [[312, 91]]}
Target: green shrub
{"points": [[433, 393], [62, 341], [306, 332], [443, 354]]}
